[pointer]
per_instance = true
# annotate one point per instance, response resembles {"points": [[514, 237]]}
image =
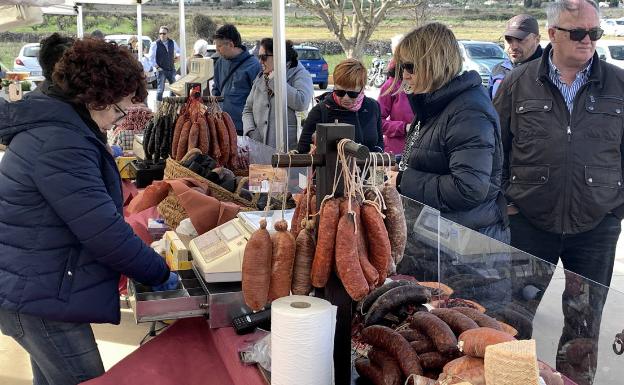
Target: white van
{"points": [[611, 51]]}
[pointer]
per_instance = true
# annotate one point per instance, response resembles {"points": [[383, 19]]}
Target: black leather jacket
{"points": [[563, 171]]}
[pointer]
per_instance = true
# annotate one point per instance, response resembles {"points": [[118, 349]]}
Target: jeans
{"points": [[161, 77], [61, 353], [591, 255]]}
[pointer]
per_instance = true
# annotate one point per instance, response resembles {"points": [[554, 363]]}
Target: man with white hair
{"points": [[561, 120]]}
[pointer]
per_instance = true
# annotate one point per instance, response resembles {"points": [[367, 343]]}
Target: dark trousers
{"points": [[590, 255]]}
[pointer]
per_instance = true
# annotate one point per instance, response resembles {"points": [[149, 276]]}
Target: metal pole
{"points": [[139, 30], [79, 22], [182, 41], [279, 60]]}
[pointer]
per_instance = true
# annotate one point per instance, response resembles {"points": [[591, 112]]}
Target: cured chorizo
{"points": [[305, 244], [224, 139], [257, 268], [423, 346], [378, 241], [474, 341], [394, 299], [478, 317], [282, 261], [183, 143], [193, 140], [395, 222], [204, 138], [437, 330], [412, 335], [458, 322], [233, 137], [389, 366], [462, 364], [392, 342], [325, 246], [215, 151], [347, 262], [370, 272]]}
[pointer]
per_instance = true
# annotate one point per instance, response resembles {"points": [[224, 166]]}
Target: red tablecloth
{"points": [[189, 353]]}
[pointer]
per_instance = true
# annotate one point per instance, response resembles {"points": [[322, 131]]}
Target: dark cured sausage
{"points": [[392, 342], [325, 246], [282, 261], [389, 367], [458, 322], [372, 297], [183, 143], [366, 369], [257, 268], [395, 298], [378, 241], [478, 317], [347, 262], [440, 333]]}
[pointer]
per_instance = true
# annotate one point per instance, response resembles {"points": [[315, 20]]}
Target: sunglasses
{"points": [[352, 94], [409, 67], [264, 56], [162, 33], [579, 34]]}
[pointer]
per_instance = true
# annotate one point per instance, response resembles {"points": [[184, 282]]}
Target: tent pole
{"points": [[80, 24], [139, 30], [279, 60], [182, 41]]}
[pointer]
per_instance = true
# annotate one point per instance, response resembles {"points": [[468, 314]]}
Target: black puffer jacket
{"points": [[456, 164], [367, 122]]}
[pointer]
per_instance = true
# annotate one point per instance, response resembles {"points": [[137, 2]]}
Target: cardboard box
{"points": [[177, 254]]}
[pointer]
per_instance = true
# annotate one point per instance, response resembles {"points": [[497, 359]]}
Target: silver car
{"points": [[28, 60]]}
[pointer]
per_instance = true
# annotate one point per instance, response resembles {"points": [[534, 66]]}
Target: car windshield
{"points": [[31, 51], [308, 54], [489, 51], [617, 52]]}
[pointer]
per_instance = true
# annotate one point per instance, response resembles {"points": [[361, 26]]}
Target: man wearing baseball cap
{"points": [[521, 44]]}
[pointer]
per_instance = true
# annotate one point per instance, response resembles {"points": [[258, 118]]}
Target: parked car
{"points": [[312, 60], [123, 40], [614, 27], [28, 60], [611, 51], [481, 56]]}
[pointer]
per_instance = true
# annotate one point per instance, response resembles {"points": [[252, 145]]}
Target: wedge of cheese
{"points": [[511, 363]]}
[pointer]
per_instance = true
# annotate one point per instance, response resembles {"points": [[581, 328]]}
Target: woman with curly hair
{"points": [[63, 238]]}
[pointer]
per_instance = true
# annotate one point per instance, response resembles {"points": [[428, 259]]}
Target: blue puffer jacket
{"points": [[235, 89], [456, 164], [63, 238]]}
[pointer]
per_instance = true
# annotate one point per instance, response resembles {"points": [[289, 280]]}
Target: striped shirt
{"points": [[569, 91]]}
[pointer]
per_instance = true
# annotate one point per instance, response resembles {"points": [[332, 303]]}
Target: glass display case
{"points": [[576, 322]]}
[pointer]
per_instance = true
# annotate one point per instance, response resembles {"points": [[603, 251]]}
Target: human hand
{"points": [[170, 284]]}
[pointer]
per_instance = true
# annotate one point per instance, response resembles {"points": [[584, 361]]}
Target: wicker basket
{"points": [[173, 212]]}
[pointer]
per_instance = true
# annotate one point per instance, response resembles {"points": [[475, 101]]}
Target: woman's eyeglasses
{"points": [[121, 111], [352, 94], [264, 56], [409, 67], [578, 34]]}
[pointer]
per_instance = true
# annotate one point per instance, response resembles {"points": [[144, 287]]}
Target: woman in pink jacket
{"points": [[396, 114]]}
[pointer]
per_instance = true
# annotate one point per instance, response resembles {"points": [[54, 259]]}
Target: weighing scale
{"points": [[201, 70], [218, 254]]}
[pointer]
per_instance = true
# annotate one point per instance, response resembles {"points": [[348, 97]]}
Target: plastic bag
{"points": [[258, 353], [186, 228]]}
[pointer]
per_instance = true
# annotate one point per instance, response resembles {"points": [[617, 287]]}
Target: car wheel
{"points": [[323, 85]]}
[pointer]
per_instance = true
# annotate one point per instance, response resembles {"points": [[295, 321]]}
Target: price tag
{"points": [[262, 176], [303, 181]]}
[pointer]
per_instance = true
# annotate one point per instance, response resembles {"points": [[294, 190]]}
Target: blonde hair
{"points": [[434, 51], [350, 73]]}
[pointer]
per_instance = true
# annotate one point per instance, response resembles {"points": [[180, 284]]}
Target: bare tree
{"points": [[353, 21]]}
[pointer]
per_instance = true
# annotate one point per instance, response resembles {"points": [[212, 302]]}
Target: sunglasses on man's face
{"points": [[264, 56], [162, 33], [352, 94], [409, 67], [578, 34]]}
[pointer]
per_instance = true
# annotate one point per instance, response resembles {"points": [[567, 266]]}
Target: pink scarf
{"points": [[355, 107]]}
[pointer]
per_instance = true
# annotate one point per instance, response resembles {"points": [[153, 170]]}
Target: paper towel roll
{"points": [[302, 341]]}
